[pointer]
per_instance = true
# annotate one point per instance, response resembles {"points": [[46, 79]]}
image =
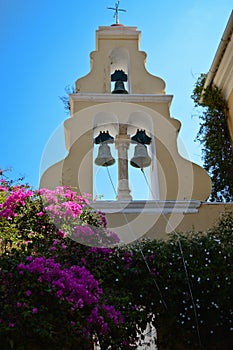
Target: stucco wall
{"points": [[131, 226]]}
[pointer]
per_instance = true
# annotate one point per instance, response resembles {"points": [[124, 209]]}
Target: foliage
{"points": [[192, 309], [44, 299], [56, 293], [66, 98], [215, 138]]}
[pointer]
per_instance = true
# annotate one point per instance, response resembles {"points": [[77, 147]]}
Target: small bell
{"points": [[141, 158], [104, 136], [119, 88], [141, 137], [119, 77], [104, 157]]}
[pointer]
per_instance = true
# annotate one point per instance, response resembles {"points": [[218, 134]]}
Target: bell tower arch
{"points": [[120, 69]]}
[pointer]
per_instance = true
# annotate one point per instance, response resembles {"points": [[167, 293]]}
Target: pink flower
{"points": [[83, 231], [16, 198], [61, 234], [59, 293], [11, 325], [27, 242], [104, 328], [35, 310], [28, 293], [40, 213], [21, 266], [52, 248]]}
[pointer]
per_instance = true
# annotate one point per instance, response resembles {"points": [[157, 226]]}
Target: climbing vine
{"points": [[215, 138], [66, 98]]}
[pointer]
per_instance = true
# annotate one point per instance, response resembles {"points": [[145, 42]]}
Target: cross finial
{"points": [[116, 9]]}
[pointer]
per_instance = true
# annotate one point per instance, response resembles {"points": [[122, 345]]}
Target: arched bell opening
{"points": [[124, 158], [105, 129], [119, 71], [143, 173]]}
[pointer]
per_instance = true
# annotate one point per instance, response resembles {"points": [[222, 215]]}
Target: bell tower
{"points": [[116, 78], [120, 119]]}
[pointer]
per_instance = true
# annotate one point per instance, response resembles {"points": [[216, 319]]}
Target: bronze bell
{"points": [[141, 158], [103, 136], [119, 88], [104, 157], [119, 77]]}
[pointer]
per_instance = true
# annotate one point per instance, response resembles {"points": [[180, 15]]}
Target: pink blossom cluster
{"points": [[75, 285], [65, 207], [94, 236], [96, 318], [128, 258], [63, 203], [103, 221], [113, 314], [3, 184], [104, 251], [16, 198]]}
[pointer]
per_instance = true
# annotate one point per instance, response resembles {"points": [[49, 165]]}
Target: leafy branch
{"points": [[66, 98], [215, 139]]}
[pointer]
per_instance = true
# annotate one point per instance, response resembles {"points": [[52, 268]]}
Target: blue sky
{"points": [[45, 46]]}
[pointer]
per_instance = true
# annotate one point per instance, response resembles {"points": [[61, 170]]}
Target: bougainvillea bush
{"points": [[65, 283], [46, 300]]}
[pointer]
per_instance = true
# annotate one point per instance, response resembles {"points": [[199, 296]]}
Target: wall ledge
{"points": [[150, 206], [134, 98]]}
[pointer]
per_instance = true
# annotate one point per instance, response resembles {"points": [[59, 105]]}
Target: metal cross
{"points": [[116, 9]]}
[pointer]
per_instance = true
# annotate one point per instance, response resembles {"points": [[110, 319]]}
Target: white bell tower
{"points": [[120, 121]]}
